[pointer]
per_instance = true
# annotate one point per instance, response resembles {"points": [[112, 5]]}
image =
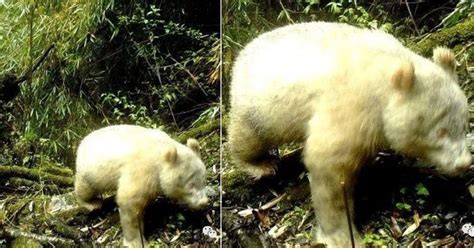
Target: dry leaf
{"points": [[446, 241], [263, 217], [176, 237], [417, 220], [471, 190], [415, 243], [248, 212], [276, 231], [395, 228]]}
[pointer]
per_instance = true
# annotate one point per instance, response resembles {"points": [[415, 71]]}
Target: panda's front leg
{"points": [[131, 202]]}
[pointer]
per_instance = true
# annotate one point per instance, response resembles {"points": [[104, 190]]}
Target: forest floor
{"points": [[38, 208], [397, 203]]}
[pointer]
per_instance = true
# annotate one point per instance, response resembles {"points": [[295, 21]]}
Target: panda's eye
{"points": [[442, 133]]}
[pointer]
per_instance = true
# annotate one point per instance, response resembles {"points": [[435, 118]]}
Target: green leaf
{"points": [[180, 217], [403, 190], [403, 206], [421, 190]]}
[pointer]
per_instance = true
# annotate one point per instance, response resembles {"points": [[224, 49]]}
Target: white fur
{"points": [[346, 93], [139, 164]]}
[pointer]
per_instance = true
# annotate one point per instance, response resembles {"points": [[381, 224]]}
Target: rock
{"points": [[470, 141]]}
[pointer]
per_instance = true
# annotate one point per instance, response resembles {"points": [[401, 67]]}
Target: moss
{"points": [[235, 184], [2, 217], [210, 148], [34, 174], [35, 209], [19, 182], [30, 209], [22, 242], [158, 243], [57, 170], [16, 208], [199, 131], [62, 228], [293, 217], [450, 37]]}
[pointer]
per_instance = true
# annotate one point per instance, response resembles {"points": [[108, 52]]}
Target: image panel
{"points": [[109, 123], [347, 124]]}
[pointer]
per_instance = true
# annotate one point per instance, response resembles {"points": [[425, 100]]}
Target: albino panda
{"points": [[139, 164], [345, 93]]}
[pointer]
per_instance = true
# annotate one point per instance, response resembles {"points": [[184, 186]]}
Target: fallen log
{"points": [[17, 182], [461, 33], [63, 229], [34, 174], [58, 170], [9, 232], [200, 131]]}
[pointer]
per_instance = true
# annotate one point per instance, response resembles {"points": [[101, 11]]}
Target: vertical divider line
{"points": [[220, 64]]}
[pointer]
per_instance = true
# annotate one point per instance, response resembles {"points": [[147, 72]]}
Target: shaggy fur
{"points": [[345, 93], [139, 164]]}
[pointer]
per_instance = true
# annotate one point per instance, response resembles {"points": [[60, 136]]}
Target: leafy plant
{"points": [[359, 16], [412, 197], [124, 111], [46, 118], [403, 206], [421, 190], [463, 9], [377, 240], [175, 67], [207, 115], [112, 62]]}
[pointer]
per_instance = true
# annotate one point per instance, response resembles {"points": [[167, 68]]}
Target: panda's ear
{"points": [[171, 155], [403, 78], [445, 58], [194, 145]]}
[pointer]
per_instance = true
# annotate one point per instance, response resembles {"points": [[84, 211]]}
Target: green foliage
{"points": [[421, 190], [360, 17], [47, 119], [207, 115], [174, 67], [376, 240], [463, 9], [124, 111], [73, 18], [412, 197], [403, 206], [112, 62]]}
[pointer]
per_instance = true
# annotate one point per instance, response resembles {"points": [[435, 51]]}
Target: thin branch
{"points": [[412, 19], [30, 52], [47, 240], [190, 74], [28, 74], [248, 212], [167, 101], [156, 69], [286, 12]]}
